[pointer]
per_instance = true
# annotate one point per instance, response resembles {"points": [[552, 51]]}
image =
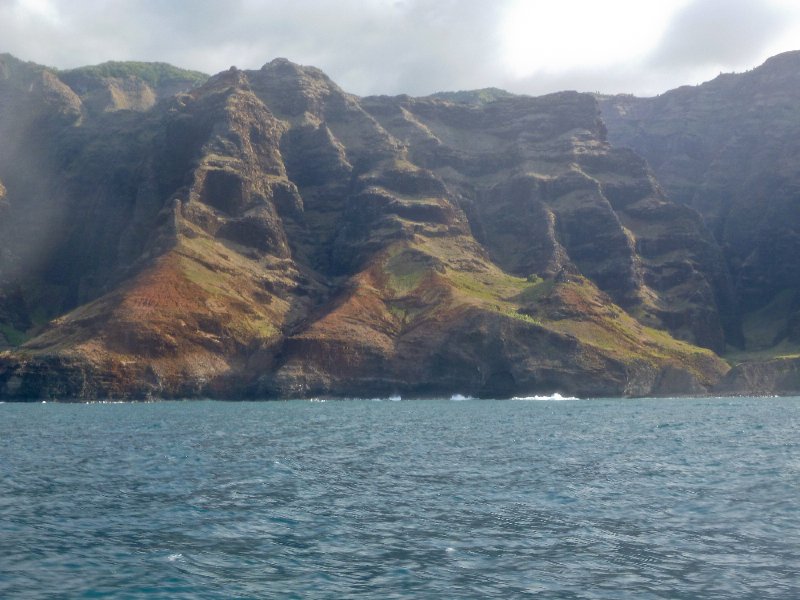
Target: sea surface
{"points": [[609, 498]]}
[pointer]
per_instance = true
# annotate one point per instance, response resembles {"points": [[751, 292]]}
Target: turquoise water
{"points": [[411, 499]]}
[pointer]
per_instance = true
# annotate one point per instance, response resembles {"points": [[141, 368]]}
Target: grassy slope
{"points": [[435, 279], [192, 313], [596, 321]]}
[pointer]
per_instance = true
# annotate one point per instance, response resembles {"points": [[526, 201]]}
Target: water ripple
{"points": [[470, 499]]}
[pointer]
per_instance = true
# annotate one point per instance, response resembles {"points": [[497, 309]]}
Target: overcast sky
{"points": [[419, 46]]}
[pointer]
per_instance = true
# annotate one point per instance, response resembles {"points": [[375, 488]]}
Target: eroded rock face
{"points": [[779, 376], [728, 148], [267, 234], [546, 193]]}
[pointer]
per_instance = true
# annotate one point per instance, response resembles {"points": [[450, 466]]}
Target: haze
{"points": [[417, 46]]}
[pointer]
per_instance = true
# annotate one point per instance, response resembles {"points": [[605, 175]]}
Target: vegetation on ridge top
{"points": [[154, 73]]}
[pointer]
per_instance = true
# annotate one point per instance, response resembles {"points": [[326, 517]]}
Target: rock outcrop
{"points": [[266, 234], [136, 86], [776, 376]]}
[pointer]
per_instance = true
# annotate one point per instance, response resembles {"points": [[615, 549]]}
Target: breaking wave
{"points": [[553, 397]]}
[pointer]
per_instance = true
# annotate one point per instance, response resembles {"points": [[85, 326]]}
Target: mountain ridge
{"points": [[265, 234]]}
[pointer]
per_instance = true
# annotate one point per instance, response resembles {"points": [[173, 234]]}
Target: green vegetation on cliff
{"points": [[477, 97], [153, 73], [265, 234]]}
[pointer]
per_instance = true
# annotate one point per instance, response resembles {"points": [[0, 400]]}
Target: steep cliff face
{"points": [[10, 319], [80, 196], [545, 193], [34, 106], [267, 234], [775, 376], [729, 149]]}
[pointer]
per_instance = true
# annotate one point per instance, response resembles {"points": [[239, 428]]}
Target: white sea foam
{"points": [[460, 398], [392, 398], [554, 398], [174, 557]]}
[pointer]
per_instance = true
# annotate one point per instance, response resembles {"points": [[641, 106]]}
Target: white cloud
{"points": [[417, 46], [551, 37], [719, 33]]}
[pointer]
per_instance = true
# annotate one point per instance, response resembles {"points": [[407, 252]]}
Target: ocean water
{"points": [[410, 499]]}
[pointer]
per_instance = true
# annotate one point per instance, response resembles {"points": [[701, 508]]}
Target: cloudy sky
{"points": [[419, 46]]}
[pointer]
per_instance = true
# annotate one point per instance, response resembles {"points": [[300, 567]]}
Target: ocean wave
{"points": [[460, 398], [393, 398], [554, 397]]}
